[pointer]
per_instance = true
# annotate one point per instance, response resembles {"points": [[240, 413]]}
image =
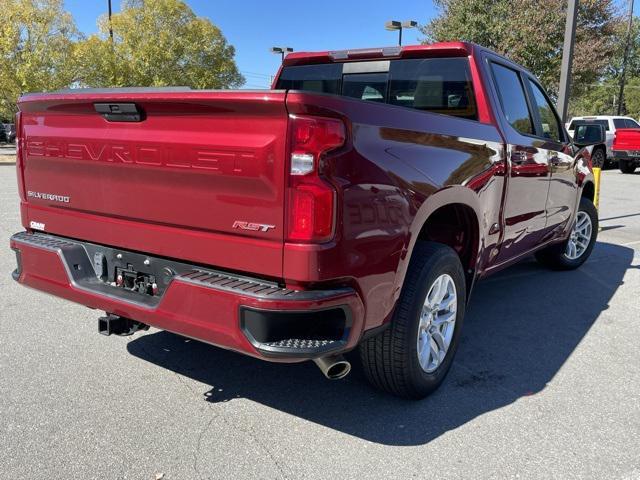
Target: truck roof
{"points": [[600, 117], [441, 49]]}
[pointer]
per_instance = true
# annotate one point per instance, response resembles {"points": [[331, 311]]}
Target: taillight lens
{"points": [[310, 198], [19, 157]]}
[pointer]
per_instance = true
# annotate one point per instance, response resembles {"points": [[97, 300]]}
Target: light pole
{"points": [[625, 58], [283, 51], [567, 59], [392, 25], [110, 29]]}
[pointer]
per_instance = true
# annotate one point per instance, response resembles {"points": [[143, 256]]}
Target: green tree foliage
{"points": [[601, 97], [36, 49], [598, 99], [531, 33], [157, 43], [632, 98]]}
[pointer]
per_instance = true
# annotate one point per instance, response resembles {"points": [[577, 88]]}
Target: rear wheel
{"points": [[627, 166], [575, 251], [411, 358], [598, 158]]}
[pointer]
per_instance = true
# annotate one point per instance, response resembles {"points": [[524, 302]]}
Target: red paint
{"points": [[627, 139], [185, 308], [176, 184]]}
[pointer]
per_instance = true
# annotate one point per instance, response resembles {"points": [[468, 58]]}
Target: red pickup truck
{"points": [[355, 204], [626, 149]]}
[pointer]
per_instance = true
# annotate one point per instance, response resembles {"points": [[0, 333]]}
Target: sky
{"points": [[254, 26]]}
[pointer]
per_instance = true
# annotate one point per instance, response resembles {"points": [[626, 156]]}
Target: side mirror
{"points": [[589, 134]]}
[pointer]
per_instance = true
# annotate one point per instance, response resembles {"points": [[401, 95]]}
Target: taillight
{"points": [[310, 201], [19, 157]]}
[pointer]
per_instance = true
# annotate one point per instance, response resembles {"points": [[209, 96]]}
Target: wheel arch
{"points": [[588, 190], [451, 217]]}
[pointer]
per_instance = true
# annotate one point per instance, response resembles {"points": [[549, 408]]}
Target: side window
{"points": [[619, 123], [550, 125], [512, 98], [631, 123]]}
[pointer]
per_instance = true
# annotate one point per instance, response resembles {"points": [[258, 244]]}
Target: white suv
{"points": [[610, 124]]}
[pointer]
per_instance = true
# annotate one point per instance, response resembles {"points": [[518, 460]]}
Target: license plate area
{"points": [[135, 281]]}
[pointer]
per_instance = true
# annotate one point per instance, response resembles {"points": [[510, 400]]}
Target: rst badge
{"points": [[254, 227]]}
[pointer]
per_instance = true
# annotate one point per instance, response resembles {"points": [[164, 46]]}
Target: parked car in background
{"points": [[356, 204], [604, 155], [626, 149], [8, 133]]}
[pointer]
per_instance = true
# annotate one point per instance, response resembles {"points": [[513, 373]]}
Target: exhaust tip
{"points": [[334, 368], [338, 370]]}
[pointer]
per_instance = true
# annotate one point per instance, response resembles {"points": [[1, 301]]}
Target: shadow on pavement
{"points": [[521, 327]]}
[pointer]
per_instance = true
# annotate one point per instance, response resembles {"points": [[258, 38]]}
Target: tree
{"points": [[598, 99], [531, 32], [632, 98], [601, 97], [36, 49], [157, 43]]}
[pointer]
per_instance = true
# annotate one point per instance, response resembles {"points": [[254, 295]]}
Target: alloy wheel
{"points": [[437, 323], [580, 236]]}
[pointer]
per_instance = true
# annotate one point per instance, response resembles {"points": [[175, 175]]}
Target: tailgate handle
{"points": [[120, 112]]}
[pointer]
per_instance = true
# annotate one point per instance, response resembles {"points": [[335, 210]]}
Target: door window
{"points": [[512, 98], [550, 124], [576, 123]]}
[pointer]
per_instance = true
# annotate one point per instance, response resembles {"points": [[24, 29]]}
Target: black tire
{"points": [[390, 359], [599, 158], [554, 256], [626, 166]]}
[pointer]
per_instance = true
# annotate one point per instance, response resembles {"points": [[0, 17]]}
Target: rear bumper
{"points": [[625, 156], [248, 315]]}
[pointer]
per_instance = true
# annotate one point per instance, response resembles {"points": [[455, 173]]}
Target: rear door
{"points": [[528, 165], [199, 177], [562, 197]]}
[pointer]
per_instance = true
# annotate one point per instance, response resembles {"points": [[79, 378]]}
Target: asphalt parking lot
{"points": [[546, 384]]}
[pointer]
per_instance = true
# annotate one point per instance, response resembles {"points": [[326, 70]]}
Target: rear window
{"points": [[366, 86], [325, 78], [440, 85], [578, 123]]}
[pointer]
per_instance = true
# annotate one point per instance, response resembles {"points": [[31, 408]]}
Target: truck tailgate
{"points": [[200, 177], [627, 139]]}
